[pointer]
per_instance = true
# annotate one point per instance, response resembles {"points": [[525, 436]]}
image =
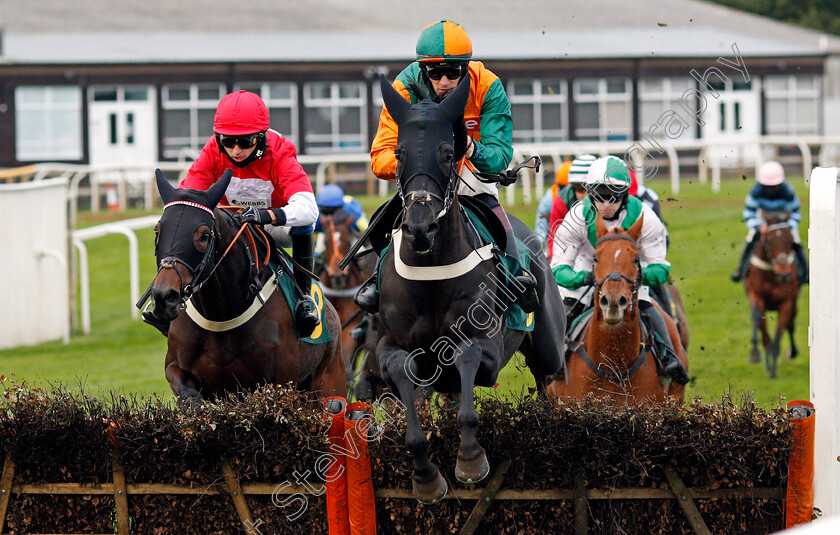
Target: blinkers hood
{"points": [[420, 126], [184, 211]]}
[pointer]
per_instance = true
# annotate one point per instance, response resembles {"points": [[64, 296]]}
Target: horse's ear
{"points": [[600, 227], [164, 187], [453, 106], [636, 229], [395, 103], [214, 194]]}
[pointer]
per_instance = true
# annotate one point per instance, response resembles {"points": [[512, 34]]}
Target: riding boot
{"points": [[157, 323], [307, 315], [801, 264], [668, 361], [663, 297], [368, 295], [574, 308], [741, 272], [528, 298]]}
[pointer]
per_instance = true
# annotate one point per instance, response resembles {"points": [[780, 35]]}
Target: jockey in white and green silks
{"points": [[573, 249]]}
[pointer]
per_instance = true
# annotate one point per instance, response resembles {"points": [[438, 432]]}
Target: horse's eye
{"points": [[205, 237]]}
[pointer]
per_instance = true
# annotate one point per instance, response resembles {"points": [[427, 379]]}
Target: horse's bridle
{"points": [[787, 259], [616, 276], [424, 197], [200, 272]]}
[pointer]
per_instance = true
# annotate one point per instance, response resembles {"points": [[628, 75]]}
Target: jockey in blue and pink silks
{"points": [[771, 194]]}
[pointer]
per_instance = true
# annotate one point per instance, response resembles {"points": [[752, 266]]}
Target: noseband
{"points": [[616, 276]]}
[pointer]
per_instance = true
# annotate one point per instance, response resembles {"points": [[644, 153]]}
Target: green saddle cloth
{"points": [[321, 333], [516, 318]]}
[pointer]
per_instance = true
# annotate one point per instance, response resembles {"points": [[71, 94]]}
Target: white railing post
{"points": [[823, 235]]}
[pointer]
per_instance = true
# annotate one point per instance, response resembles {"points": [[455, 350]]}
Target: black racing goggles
{"points": [[244, 142], [451, 71], [607, 194]]}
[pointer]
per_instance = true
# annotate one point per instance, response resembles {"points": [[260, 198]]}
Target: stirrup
{"points": [[307, 318]]}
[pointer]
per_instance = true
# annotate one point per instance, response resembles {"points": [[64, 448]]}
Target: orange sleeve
{"points": [[383, 163]]}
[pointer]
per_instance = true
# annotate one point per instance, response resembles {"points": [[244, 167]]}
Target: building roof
{"points": [[153, 31]]}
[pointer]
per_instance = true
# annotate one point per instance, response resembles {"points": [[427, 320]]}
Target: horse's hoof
{"points": [[431, 492], [473, 470], [755, 357]]}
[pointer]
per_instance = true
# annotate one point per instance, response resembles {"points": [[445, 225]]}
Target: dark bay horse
{"points": [[772, 284], [441, 306], [339, 288], [614, 359], [233, 352]]}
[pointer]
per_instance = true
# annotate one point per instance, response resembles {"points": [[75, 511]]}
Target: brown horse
{"points": [[612, 357], [772, 284], [203, 265], [339, 288]]}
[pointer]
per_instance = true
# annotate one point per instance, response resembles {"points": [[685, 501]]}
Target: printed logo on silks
{"points": [[472, 123], [254, 192], [241, 201]]}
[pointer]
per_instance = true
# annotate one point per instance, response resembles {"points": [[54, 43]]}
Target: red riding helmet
{"points": [[240, 113]]}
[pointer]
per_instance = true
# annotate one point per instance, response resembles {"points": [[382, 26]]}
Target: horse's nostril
{"points": [[622, 301], [433, 228], [171, 298], [604, 302]]}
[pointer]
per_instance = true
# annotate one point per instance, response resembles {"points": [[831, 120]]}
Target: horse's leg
{"points": [[756, 315], [472, 465], [791, 323], [427, 483], [782, 321], [184, 385]]}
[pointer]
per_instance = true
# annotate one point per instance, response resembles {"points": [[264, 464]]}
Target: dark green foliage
{"points": [[57, 436], [822, 15]]}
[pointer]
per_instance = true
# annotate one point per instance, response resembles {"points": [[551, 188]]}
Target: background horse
{"points": [[339, 288], [772, 284], [442, 296], [192, 241], [615, 359]]}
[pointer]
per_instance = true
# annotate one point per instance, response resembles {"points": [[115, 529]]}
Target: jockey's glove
{"points": [[262, 216]]}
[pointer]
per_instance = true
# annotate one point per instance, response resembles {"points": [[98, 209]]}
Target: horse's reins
{"points": [[199, 275]]}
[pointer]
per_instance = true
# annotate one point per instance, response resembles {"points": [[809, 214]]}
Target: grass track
{"points": [[706, 238]]}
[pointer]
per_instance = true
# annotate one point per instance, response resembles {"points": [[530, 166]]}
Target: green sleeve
{"points": [[655, 274], [567, 277], [495, 149]]}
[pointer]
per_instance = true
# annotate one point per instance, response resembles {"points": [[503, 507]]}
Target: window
{"points": [[792, 104], [336, 117], [281, 100], [663, 111], [48, 123], [538, 108], [603, 109], [188, 112]]}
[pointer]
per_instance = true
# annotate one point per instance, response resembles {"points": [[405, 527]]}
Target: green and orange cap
{"points": [[444, 41]]}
